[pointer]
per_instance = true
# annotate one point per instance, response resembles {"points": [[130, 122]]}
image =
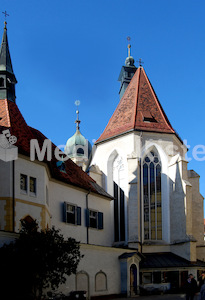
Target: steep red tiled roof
{"points": [[138, 109], [12, 119]]}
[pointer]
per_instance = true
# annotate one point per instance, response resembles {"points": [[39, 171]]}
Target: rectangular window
{"points": [[23, 182], [33, 185], [146, 277], [94, 219], [71, 214]]}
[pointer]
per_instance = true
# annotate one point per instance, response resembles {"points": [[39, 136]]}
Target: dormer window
{"points": [[61, 166], [148, 117]]}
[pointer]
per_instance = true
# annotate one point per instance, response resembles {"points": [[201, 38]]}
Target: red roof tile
{"points": [[13, 120], [138, 109]]}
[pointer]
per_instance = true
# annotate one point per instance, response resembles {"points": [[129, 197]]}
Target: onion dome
{"points": [[78, 145]]}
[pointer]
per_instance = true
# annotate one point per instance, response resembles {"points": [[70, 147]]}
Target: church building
{"points": [[131, 201]]}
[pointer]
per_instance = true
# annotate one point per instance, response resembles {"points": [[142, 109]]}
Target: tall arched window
{"points": [[152, 197]]}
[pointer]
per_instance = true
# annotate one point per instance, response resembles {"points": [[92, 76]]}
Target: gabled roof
{"points": [[138, 109], [12, 119]]}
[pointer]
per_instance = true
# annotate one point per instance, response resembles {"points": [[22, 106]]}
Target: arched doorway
{"points": [[133, 280]]}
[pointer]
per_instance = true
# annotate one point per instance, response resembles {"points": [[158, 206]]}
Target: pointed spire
{"points": [[7, 76], [5, 58]]}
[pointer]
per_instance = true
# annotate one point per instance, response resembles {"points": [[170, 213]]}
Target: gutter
{"points": [[87, 227], [13, 196]]}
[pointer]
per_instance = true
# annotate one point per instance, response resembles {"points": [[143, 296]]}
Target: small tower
{"points": [[77, 147], [7, 77], [127, 71]]}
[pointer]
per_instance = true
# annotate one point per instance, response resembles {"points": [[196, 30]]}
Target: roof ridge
{"points": [[136, 105]]}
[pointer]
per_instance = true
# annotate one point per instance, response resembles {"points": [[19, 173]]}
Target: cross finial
{"points": [[77, 103], [5, 15], [140, 62], [129, 46]]}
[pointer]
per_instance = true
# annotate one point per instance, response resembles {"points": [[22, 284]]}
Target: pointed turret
{"points": [[7, 77]]}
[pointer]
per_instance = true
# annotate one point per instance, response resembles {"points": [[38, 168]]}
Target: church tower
{"points": [[7, 77], [143, 161], [127, 71]]}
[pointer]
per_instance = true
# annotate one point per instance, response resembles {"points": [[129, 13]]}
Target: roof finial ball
{"points": [[129, 60]]}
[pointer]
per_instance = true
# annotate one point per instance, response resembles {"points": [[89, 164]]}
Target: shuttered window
{"points": [[71, 214], [94, 219]]}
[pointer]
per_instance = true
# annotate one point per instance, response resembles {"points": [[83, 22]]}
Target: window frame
{"points": [[151, 169], [33, 193], [77, 214], [25, 177], [99, 219]]}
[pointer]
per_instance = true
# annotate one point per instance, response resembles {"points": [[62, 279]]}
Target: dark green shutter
{"points": [[87, 217], [64, 212], [100, 220], [78, 215]]}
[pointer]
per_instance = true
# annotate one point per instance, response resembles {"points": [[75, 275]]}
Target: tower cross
{"points": [[5, 14], [140, 62]]}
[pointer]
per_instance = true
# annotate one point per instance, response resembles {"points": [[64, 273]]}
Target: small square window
{"points": [[23, 182], [33, 185]]}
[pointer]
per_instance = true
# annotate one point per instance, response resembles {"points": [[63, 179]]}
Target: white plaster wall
{"points": [[31, 169], [97, 259], [105, 236], [132, 147], [108, 151], [60, 193]]}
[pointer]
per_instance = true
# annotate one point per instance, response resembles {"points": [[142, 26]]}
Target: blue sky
{"points": [[67, 50]]}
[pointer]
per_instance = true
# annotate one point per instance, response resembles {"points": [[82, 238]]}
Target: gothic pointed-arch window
{"points": [[152, 199]]}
